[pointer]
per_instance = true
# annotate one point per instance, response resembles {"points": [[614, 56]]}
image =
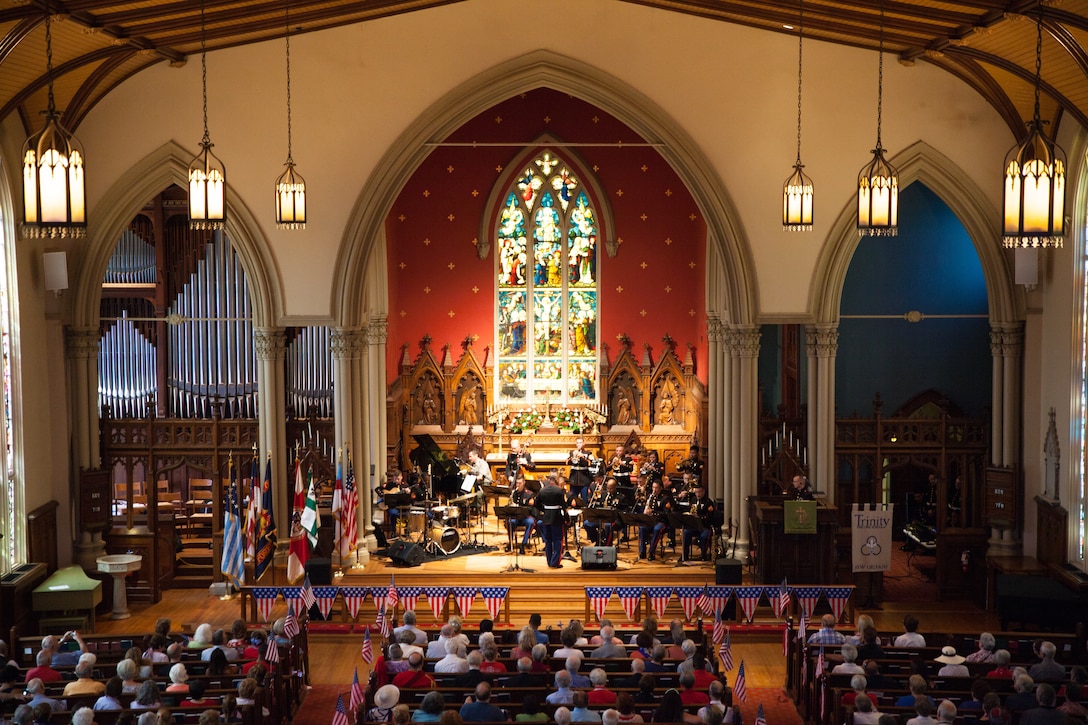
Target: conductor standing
{"points": [[552, 504]]}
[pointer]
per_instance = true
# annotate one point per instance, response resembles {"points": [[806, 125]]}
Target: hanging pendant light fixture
{"points": [[797, 191], [878, 182], [1035, 178], [290, 187], [54, 195], [207, 175]]}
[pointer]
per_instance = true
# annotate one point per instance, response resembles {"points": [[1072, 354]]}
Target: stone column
{"points": [[348, 350], [715, 473], [997, 402], [1007, 347], [270, 348], [374, 399], [82, 352], [812, 399], [746, 407], [827, 347]]}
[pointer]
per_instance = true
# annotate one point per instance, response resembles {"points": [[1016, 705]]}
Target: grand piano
{"points": [[445, 473], [66, 600]]}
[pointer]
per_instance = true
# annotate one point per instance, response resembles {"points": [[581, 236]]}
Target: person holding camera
{"points": [[62, 655]]}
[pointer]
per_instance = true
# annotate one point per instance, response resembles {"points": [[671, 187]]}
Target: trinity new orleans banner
{"points": [[872, 536]]}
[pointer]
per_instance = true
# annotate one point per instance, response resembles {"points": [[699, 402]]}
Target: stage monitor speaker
{"points": [[319, 569], [729, 571], [598, 557], [405, 553]]}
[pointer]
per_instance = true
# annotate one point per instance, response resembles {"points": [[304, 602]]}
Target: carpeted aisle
{"points": [[320, 704]]}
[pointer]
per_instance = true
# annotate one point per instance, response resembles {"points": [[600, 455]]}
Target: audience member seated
{"points": [[179, 679], [530, 710], [644, 646], [864, 712], [402, 715], [910, 636], [561, 716], [491, 662], [62, 656], [473, 676], [567, 637], [923, 707], [677, 636], [826, 635], [671, 710], [1073, 706], [646, 687], [581, 712], [36, 690], [430, 710], [917, 685], [953, 664], [457, 623], [85, 684], [111, 700], [10, 691], [395, 661], [24, 715], [414, 677], [946, 712], [407, 641], [44, 671], [218, 639], [638, 668], [385, 699], [136, 656], [437, 648], [524, 676], [688, 694], [870, 648], [598, 639], [877, 681], [196, 696], [572, 665], [419, 637], [600, 694], [147, 697], [649, 626], [478, 707], [715, 693], [1001, 661], [42, 713], [979, 690], [985, 652], [82, 716], [1046, 713], [453, 661], [625, 707], [858, 683], [218, 664], [534, 624], [156, 650], [849, 665], [656, 663], [1047, 669], [202, 637], [1023, 697], [540, 659], [858, 638], [703, 670], [563, 695]]}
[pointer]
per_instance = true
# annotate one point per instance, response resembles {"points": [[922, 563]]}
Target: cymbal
{"points": [[462, 499]]}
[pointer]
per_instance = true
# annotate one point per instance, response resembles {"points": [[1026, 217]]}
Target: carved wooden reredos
{"points": [[661, 402]]}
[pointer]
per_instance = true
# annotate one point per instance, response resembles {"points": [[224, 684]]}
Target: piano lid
{"points": [[428, 455], [67, 589]]}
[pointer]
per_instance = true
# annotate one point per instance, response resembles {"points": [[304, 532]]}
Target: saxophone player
{"points": [[703, 508], [606, 497], [658, 504]]}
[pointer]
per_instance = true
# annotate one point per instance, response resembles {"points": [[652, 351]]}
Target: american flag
{"points": [[233, 564], [408, 597], [786, 639], [272, 651], [719, 628], [689, 598], [391, 597], [807, 598], [253, 508], [761, 719], [266, 600], [740, 689], [725, 652], [341, 716], [716, 598], [659, 599], [802, 628], [307, 594], [837, 597], [598, 598], [338, 497], [353, 598], [436, 597], [367, 653], [819, 673], [290, 625], [356, 693], [493, 598], [465, 596], [629, 598], [783, 599], [348, 513], [385, 623], [749, 598]]}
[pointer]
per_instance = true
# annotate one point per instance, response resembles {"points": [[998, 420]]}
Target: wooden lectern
{"points": [[800, 558]]}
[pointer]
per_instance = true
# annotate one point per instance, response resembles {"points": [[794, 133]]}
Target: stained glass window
{"points": [[547, 288], [12, 500]]}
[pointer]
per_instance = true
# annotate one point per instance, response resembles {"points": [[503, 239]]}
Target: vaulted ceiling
{"points": [[988, 44]]}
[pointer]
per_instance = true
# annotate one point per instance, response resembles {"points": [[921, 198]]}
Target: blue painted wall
{"points": [[931, 267]]}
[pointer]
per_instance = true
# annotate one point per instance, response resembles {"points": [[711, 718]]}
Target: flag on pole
{"points": [[349, 513], [367, 652], [341, 716], [802, 628], [725, 652], [233, 565], [299, 547], [783, 599], [719, 628], [266, 526], [356, 692], [290, 624], [761, 718], [272, 651], [337, 499], [307, 595], [740, 688], [310, 521], [391, 599], [253, 507]]}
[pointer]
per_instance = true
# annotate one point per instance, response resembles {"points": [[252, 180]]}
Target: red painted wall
{"points": [[438, 285]]}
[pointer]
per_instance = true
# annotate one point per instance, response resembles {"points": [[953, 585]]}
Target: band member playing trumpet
{"points": [[580, 460], [607, 497], [521, 496], [620, 466], [692, 464], [658, 504], [652, 467], [703, 508]]}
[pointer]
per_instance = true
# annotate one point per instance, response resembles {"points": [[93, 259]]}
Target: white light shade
{"points": [[207, 190], [1035, 192], [290, 199], [797, 201], [878, 197], [54, 196]]}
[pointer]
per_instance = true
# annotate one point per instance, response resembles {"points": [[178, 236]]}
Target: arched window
{"points": [[547, 267], [11, 507]]}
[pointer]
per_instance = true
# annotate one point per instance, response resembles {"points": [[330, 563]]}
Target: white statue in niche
{"points": [[1051, 460]]}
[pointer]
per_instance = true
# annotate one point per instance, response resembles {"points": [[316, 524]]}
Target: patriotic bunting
{"points": [[465, 596], [740, 687], [292, 595], [629, 598], [436, 597], [659, 599], [837, 597], [493, 598], [715, 600], [325, 596], [408, 597], [689, 598], [749, 598], [807, 598], [598, 598], [353, 599], [266, 600], [367, 652]]}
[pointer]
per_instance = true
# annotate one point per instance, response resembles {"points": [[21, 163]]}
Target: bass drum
{"points": [[446, 538]]}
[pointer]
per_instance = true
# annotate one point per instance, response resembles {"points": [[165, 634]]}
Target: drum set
{"points": [[441, 529]]}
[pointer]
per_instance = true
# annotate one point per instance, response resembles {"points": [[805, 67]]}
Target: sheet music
{"points": [[468, 484]]}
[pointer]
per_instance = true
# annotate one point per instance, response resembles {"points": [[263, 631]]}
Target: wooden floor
{"points": [[557, 595]]}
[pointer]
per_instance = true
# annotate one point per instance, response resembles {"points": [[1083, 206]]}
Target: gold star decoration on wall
{"points": [[619, 288]]}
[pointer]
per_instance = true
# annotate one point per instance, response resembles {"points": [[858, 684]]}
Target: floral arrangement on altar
{"points": [[567, 419], [526, 420], [531, 420]]}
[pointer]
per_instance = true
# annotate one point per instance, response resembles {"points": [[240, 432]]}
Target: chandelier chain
{"points": [[880, 79], [1038, 60], [204, 74], [49, 57], [800, 37], [287, 40]]}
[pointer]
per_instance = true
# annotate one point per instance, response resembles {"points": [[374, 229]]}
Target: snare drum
{"points": [[452, 514], [446, 537], [417, 521]]}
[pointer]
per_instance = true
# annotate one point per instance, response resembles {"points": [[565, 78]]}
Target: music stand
{"points": [[506, 513], [601, 517], [397, 501], [687, 522]]}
